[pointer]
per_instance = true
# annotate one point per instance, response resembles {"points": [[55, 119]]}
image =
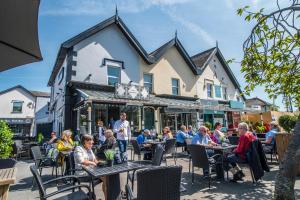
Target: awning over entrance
{"points": [[109, 97]]}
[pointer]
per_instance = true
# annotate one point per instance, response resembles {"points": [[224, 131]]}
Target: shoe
{"points": [[238, 176], [242, 173]]}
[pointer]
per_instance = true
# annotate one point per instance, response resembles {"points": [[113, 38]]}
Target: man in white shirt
{"points": [[123, 131]]}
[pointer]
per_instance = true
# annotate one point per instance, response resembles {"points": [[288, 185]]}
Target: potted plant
{"points": [[109, 155], [5, 140]]}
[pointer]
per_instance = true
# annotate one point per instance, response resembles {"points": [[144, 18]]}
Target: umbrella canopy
{"points": [[19, 42]]}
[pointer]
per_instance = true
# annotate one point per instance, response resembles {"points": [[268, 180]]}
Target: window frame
{"points": [[211, 90], [108, 76], [220, 90], [62, 74], [13, 106], [152, 88], [224, 93], [178, 86]]}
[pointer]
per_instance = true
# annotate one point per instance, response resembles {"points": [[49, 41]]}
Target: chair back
{"points": [[38, 180], [136, 148], [159, 183], [198, 155], [170, 146], [234, 140], [7, 163], [71, 163], [36, 154], [157, 158]]}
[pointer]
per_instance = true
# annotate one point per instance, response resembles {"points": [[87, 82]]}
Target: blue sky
{"points": [[199, 23]]}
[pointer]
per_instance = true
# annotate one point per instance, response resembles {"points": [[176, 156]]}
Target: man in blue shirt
{"points": [[145, 147], [203, 138], [270, 138], [190, 131], [181, 136]]}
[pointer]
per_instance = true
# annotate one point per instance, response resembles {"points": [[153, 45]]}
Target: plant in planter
{"points": [[109, 155], [5, 140], [287, 122]]}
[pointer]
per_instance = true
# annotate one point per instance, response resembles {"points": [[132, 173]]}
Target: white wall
{"points": [[58, 96], [41, 110], [6, 105], [108, 43], [209, 76]]}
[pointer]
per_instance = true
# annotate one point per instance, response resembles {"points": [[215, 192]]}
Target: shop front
{"points": [[20, 126]]}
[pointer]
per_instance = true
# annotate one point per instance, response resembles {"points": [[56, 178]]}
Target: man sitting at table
{"points": [[145, 147], [181, 136], [109, 143], [203, 138], [239, 154]]}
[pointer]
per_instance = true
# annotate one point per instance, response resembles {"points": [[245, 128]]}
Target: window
{"points": [[113, 74], [148, 82], [218, 91], [175, 86], [225, 93], [61, 75], [209, 90], [17, 106]]}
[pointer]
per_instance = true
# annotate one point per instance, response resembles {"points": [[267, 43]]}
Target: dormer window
{"points": [[113, 75]]}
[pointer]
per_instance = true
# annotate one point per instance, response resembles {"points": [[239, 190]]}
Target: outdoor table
{"points": [[113, 188], [153, 144], [7, 177], [223, 150]]}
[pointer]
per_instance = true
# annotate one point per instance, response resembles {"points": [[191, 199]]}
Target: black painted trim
{"points": [[113, 60]]}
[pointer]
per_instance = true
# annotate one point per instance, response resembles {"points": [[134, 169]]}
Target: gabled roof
{"points": [[258, 99], [158, 53], [91, 31], [32, 93], [201, 60], [149, 59]]}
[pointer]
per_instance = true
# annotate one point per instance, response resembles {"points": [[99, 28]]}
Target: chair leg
{"points": [[52, 171], [175, 158], [271, 157], [208, 178], [252, 176], [192, 174], [189, 164]]}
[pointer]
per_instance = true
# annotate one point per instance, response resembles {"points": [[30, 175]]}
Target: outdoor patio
{"points": [[199, 190]]}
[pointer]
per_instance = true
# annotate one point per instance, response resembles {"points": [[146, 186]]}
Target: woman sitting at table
{"points": [[65, 143], [167, 134], [239, 154], [218, 134], [109, 143]]}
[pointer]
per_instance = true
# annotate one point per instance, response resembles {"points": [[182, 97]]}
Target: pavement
{"points": [[199, 190]]}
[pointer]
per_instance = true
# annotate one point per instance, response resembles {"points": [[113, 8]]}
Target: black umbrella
{"points": [[19, 42]]}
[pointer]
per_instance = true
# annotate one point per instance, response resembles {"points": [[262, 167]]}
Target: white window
{"points": [[175, 86], [17, 106], [113, 75], [148, 82]]}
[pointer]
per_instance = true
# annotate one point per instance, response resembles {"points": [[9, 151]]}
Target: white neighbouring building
{"points": [[25, 111]]}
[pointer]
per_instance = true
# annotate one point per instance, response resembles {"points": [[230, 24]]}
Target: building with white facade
{"points": [[25, 111], [105, 70]]}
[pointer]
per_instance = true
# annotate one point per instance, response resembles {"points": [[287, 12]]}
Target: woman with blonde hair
{"points": [[65, 143], [167, 134]]}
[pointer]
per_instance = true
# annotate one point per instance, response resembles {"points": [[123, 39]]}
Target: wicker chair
{"points": [[156, 161], [80, 194], [42, 162], [200, 159], [7, 163], [137, 150], [159, 183], [170, 148]]}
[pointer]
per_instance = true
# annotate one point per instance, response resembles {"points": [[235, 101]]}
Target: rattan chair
{"points": [[200, 159], [170, 148], [234, 140], [156, 161], [137, 150], [80, 194], [159, 183], [42, 162]]}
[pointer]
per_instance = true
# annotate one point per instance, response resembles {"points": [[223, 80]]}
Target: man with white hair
{"points": [[239, 154]]}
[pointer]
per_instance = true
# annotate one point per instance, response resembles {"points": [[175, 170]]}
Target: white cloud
{"points": [[193, 27], [103, 7]]}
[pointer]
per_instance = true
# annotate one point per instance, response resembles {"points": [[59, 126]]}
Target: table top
{"points": [[65, 153], [220, 148], [154, 142], [8, 176], [115, 169]]}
